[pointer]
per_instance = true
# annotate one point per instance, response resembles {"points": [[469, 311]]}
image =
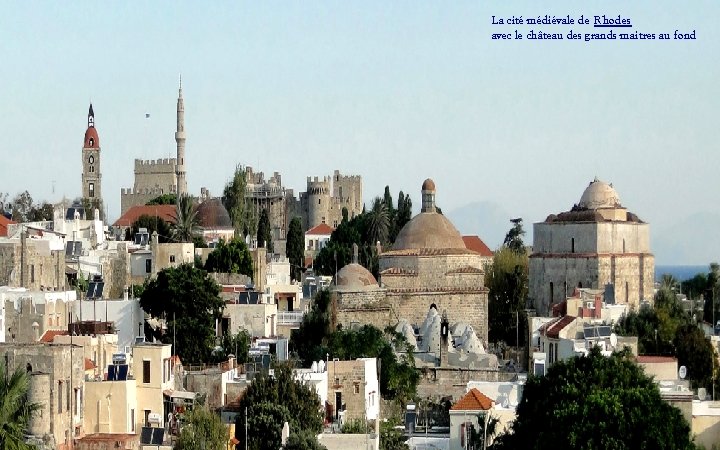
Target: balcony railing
{"points": [[290, 317]]}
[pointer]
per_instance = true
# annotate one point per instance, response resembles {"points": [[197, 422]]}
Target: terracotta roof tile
{"points": [[477, 245], [4, 222], [466, 269], [474, 400], [398, 271], [645, 359], [322, 229], [552, 329], [49, 335], [89, 365], [165, 212]]}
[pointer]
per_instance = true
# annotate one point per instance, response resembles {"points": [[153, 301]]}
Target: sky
{"points": [[393, 91]]}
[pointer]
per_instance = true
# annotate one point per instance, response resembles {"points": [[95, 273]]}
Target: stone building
{"points": [[353, 390], [163, 176], [429, 264], [56, 384], [325, 198], [598, 244], [91, 175]]}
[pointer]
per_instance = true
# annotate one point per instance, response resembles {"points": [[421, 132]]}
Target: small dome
{"points": [[599, 195], [91, 138], [354, 277], [428, 230], [212, 214], [428, 185]]}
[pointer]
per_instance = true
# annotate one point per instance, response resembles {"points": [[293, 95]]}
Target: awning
{"points": [[185, 395]]}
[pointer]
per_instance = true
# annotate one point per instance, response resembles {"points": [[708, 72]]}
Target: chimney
{"points": [[598, 307]]}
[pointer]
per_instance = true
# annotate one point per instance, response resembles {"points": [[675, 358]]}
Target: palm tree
{"points": [[668, 281], [378, 222], [15, 410], [186, 219]]}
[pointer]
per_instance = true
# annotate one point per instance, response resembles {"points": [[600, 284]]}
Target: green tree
{"points": [[238, 345], [404, 212], [695, 352], [164, 199], [186, 223], [230, 257], [295, 248], [189, 302], [41, 212], [514, 237], [234, 199], [22, 204], [507, 281], [479, 435], [379, 222], [595, 402], [303, 440], [152, 224], [203, 430], [264, 236], [310, 340], [391, 438], [273, 400], [15, 410]]}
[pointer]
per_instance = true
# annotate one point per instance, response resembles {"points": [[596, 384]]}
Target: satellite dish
{"points": [[682, 373], [613, 339]]}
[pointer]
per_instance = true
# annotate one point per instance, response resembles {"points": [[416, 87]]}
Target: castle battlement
{"points": [[155, 165]]}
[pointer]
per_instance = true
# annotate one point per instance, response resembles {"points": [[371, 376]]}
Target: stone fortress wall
{"points": [[324, 199], [152, 179]]}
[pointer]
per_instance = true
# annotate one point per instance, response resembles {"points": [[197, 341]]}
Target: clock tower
{"points": [[91, 175]]}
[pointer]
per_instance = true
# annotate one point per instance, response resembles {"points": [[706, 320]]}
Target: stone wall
{"points": [[206, 382], [348, 379], [43, 268], [436, 382], [591, 237]]}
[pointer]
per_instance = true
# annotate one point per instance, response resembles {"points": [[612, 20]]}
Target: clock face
{"points": [[91, 159]]}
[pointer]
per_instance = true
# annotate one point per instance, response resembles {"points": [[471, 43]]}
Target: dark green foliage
{"points": [[295, 248], [189, 301], [264, 237], [272, 401], [402, 215], [152, 224], [310, 341], [186, 225], [507, 280], [392, 438], [595, 403], [479, 434], [695, 352], [199, 241], [202, 430], [234, 199], [164, 199], [355, 426], [514, 237], [303, 440], [230, 257], [15, 410], [238, 345]]}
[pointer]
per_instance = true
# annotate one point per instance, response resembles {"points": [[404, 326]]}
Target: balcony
{"points": [[290, 317]]}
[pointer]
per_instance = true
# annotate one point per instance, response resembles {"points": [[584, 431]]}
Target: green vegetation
{"points": [[507, 281], [202, 430], [295, 248], [164, 199], [15, 410], [264, 236], [230, 257], [243, 217], [392, 438], [152, 224], [188, 300], [595, 403], [185, 228], [273, 400]]}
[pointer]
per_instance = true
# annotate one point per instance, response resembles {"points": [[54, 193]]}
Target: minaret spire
{"points": [[180, 140]]}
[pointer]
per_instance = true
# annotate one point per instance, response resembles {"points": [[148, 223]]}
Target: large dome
{"points": [[599, 195], [212, 214], [354, 277], [428, 230]]}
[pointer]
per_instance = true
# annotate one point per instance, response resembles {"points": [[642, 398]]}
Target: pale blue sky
{"points": [[393, 91]]}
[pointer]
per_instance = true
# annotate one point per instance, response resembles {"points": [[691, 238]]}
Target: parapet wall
{"points": [[163, 165]]}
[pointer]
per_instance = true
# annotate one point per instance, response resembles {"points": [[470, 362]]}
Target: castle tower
{"points": [[91, 175], [180, 140]]}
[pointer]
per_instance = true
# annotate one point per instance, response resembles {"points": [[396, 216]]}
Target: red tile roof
{"points": [[4, 222], [476, 244], [474, 400], [89, 365], [49, 335], [165, 212], [552, 329], [644, 359], [322, 229]]}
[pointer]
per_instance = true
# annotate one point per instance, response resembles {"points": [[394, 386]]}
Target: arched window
{"points": [[92, 142]]}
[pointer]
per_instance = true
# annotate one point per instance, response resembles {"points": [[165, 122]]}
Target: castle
{"points": [[324, 200], [163, 176]]}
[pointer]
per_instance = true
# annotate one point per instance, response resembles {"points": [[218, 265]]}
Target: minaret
{"points": [[180, 140], [91, 175]]}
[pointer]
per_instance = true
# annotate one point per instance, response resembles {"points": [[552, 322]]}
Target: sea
{"points": [[680, 273]]}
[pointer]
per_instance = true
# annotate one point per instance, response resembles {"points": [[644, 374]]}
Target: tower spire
{"points": [[180, 141]]}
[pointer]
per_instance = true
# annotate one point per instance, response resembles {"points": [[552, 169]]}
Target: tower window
{"points": [[91, 190], [92, 169], [92, 142], [572, 245], [319, 200]]}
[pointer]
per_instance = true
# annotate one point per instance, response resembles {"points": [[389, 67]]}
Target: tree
{"points": [[379, 222], [303, 440], [264, 237], [203, 430], [164, 199], [295, 248], [21, 206], [41, 212], [237, 345], [507, 281], [234, 199], [391, 438], [595, 402], [189, 302], [485, 431], [152, 224], [186, 220], [404, 212], [273, 400], [695, 352], [514, 237], [15, 410], [230, 257]]}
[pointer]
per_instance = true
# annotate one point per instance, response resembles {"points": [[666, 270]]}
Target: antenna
{"points": [[682, 373]]}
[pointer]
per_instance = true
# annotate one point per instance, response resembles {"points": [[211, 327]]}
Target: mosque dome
{"points": [[212, 214], [354, 277], [598, 195], [429, 229]]}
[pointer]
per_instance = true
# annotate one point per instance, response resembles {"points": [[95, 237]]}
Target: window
{"points": [[92, 169], [572, 245], [32, 273], [146, 371], [148, 265], [172, 258], [132, 420], [69, 399], [60, 396], [357, 388], [319, 201], [91, 190], [92, 142]]}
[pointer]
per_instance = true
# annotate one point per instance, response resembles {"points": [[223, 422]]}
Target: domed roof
{"points": [[599, 195], [212, 214], [91, 138], [428, 230], [428, 185], [354, 277]]}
